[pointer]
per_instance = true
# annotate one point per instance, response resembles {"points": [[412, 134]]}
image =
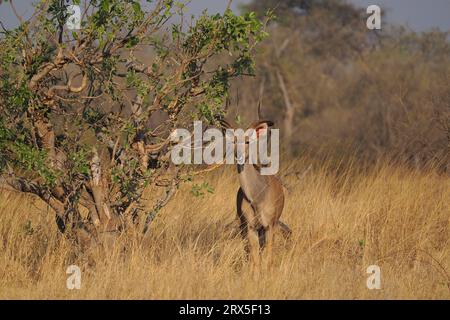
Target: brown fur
{"points": [[260, 202]]}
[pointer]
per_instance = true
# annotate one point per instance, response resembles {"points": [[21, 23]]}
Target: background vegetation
{"points": [[335, 86]]}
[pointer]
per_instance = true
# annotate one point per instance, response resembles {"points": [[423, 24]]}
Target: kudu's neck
{"points": [[251, 181]]}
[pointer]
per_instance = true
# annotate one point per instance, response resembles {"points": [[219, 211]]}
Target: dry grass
{"points": [[389, 216]]}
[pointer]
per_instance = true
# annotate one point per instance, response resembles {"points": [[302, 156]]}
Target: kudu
{"points": [[260, 201]]}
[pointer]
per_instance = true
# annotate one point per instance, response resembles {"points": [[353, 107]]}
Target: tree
{"points": [[305, 34], [76, 107], [342, 89]]}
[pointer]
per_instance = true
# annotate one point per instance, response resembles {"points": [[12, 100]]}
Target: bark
{"points": [[46, 136], [290, 111], [98, 188], [87, 201], [170, 192], [46, 69]]}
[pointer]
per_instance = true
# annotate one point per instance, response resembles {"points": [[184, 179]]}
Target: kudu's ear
{"points": [[261, 127]]}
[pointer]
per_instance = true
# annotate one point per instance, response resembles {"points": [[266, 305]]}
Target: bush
{"points": [[75, 106]]}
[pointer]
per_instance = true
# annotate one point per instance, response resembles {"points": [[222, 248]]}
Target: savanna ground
{"points": [[344, 219]]}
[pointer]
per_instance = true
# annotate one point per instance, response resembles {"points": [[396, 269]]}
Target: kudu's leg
{"points": [[243, 210], [285, 229], [270, 234], [254, 248]]}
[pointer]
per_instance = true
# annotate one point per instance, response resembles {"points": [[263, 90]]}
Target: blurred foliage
{"points": [[353, 90]]}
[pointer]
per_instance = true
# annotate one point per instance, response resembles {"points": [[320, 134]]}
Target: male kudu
{"points": [[260, 201]]}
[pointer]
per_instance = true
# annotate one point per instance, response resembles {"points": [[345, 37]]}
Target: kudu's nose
{"points": [[240, 159]]}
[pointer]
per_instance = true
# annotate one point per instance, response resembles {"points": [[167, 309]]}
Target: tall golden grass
{"points": [[344, 219]]}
